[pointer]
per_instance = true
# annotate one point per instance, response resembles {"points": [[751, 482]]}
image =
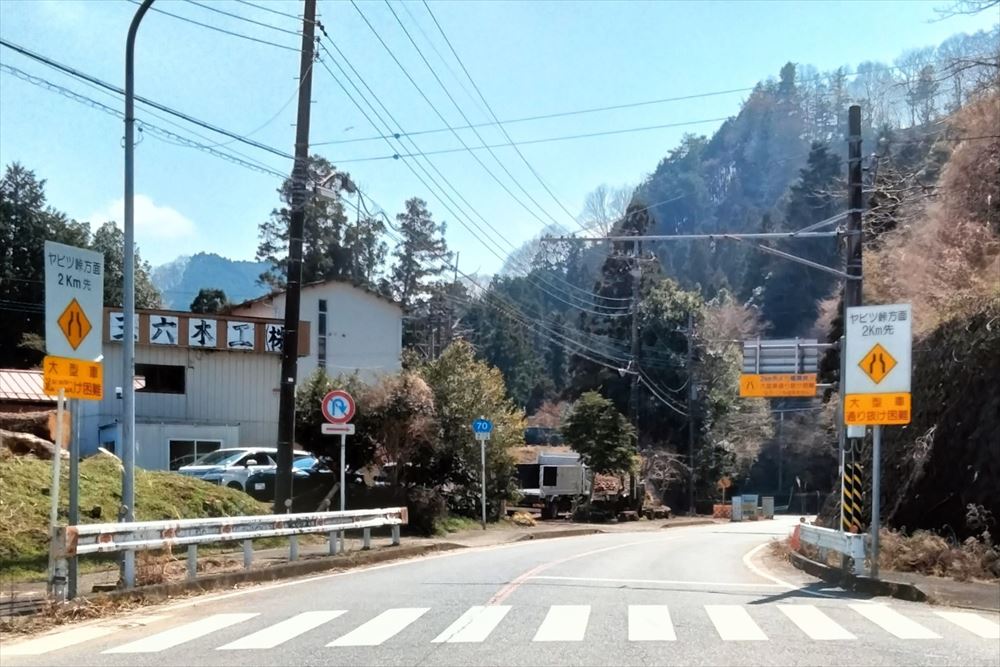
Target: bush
{"points": [[426, 508]]}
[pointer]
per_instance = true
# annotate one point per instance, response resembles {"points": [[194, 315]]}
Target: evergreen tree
{"points": [[109, 240], [209, 300], [419, 256]]}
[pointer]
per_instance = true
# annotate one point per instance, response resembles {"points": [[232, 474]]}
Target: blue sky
{"points": [[528, 58]]}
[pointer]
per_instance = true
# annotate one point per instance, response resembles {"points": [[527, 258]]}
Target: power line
{"points": [[434, 167], [143, 125], [173, 112], [476, 131], [542, 140], [217, 29], [271, 11], [600, 109], [243, 18]]}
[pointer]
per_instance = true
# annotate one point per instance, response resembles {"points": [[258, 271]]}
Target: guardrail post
{"points": [[247, 553], [293, 547], [332, 538], [342, 538], [367, 539], [192, 562], [395, 535]]}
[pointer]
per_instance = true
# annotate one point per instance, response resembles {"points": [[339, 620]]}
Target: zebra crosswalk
{"points": [[339, 628]]}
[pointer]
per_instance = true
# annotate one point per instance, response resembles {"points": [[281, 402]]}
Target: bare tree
{"points": [[604, 207]]}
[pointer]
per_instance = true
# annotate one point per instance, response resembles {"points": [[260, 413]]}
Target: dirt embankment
{"points": [[948, 458]]}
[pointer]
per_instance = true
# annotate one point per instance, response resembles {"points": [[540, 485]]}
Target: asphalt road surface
{"points": [[684, 596]]}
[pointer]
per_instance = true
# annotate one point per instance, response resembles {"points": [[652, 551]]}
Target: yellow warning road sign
{"points": [[877, 363], [778, 385], [74, 324], [877, 409], [78, 378]]}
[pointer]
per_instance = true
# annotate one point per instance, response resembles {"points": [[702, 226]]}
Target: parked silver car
{"points": [[232, 466]]}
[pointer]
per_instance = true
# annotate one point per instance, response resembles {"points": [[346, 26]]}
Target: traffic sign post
{"points": [[483, 428], [74, 308], [338, 409], [877, 384]]}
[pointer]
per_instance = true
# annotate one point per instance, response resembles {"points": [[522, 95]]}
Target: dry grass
{"points": [[928, 553], [522, 519]]}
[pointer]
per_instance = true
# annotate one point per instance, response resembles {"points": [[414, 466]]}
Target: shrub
{"points": [[426, 508]]}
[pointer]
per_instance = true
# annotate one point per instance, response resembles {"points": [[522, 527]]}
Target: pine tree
{"points": [[423, 254]]}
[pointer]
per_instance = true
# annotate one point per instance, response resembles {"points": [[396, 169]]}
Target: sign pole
{"points": [[343, 467], [482, 458], [876, 490], [54, 494], [74, 489]]}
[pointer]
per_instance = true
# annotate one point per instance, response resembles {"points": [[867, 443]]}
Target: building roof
{"points": [[23, 385], [316, 283]]}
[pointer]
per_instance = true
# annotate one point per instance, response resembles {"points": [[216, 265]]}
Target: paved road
{"points": [[680, 596]]}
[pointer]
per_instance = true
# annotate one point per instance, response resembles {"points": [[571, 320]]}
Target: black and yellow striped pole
{"points": [[853, 497]]}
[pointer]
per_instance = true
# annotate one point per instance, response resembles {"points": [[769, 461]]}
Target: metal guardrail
{"points": [[824, 539], [83, 539]]}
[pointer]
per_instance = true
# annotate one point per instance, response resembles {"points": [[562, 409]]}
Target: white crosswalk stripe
{"points": [[475, 625], [280, 633], [974, 623], [564, 623], [384, 626], [479, 624], [650, 623], [182, 633], [893, 622], [733, 623], [814, 622]]}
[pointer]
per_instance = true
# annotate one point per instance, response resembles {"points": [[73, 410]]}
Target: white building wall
{"points": [[228, 396], [364, 331]]}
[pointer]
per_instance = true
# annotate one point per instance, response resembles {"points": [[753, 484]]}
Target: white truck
{"points": [[555, 483]]}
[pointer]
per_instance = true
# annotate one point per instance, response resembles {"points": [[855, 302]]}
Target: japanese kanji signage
{"points": [[74, 300], [118, 327], [877, 362], [240, 335], [78, 378], [202, 332], [778, 385], [163, 330]]}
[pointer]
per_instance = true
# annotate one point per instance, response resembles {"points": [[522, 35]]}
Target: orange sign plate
{"points": [[778, 385], [78, 379], [877, 409], [877, 363]]}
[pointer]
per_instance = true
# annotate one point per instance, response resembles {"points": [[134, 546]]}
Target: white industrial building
{"points": [[202, 382], [354, 330]]}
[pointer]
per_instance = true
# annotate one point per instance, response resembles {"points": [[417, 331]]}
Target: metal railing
{"points": [[83, 539], [851, 545]]}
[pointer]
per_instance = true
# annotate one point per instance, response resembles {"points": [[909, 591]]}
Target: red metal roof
{"points": [[21, 385]]}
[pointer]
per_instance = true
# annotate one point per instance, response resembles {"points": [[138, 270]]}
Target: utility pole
{"points": [[636, 280], [691, 396], [127, 510], [290, 346]]}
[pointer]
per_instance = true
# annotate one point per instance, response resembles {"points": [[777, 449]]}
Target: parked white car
{"points": [[233, 466]]}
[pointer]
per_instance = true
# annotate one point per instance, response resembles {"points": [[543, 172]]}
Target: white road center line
{"points": [[182, 633], [280, 633], [733, 623], [382, 627], [650, 623], [475, 625], [564, 623], [893, 622], [974, 623], [814, 622]]}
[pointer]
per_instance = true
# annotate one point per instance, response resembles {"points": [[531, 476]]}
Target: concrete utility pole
{"points": [[290, 346], [691, 396], [636, 272], [127, 512]]}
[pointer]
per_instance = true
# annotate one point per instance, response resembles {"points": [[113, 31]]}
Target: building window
{"points": [[186, 452], [550, 476], [321, 334], [160, 379]]}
